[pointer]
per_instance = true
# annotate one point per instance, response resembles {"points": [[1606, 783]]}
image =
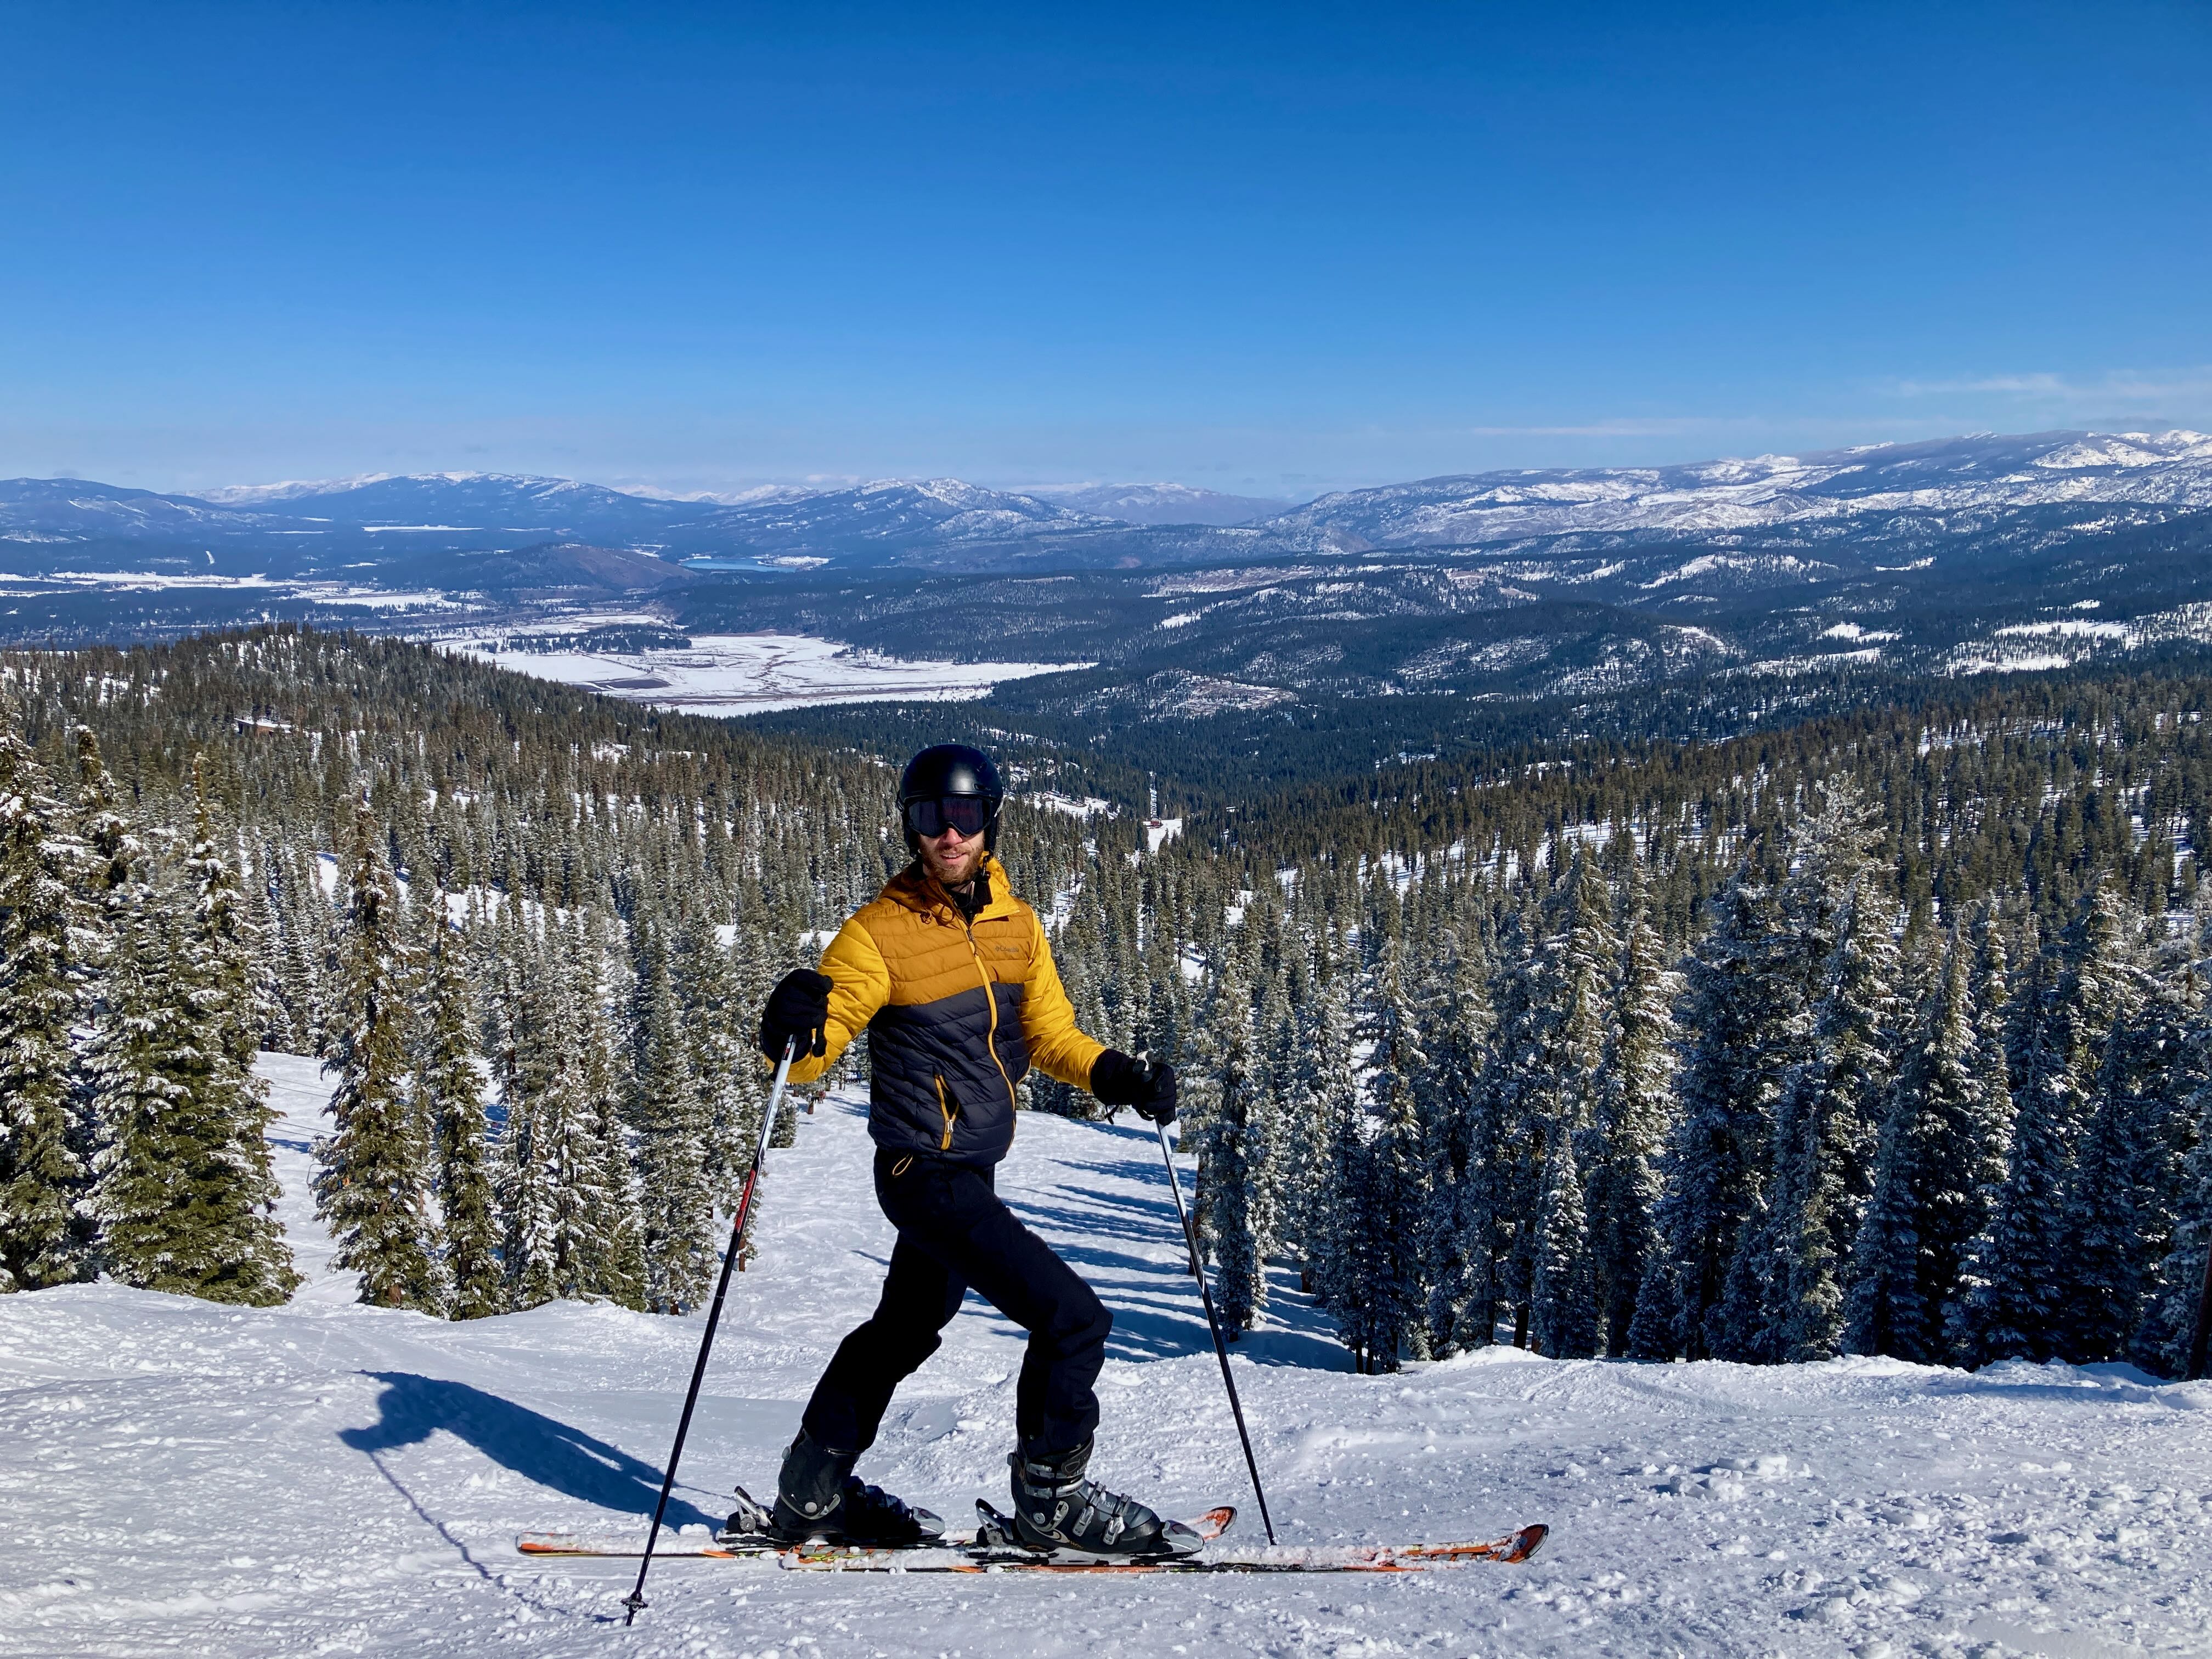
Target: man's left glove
{"points": [[1119, 1079], [797, 1012]]}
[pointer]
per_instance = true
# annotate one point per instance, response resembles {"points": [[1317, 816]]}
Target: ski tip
{"points": [[1214, 1521], [1526, 1542]]}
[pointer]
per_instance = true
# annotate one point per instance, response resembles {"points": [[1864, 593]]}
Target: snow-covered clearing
{"points": [[325, 1477], [758, 673]]}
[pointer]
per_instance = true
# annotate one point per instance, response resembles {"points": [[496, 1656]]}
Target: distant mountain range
{"points": [[1809, 506]]}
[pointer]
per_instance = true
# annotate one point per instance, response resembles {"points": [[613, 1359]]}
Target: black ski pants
{"points": [[954, 1234]]}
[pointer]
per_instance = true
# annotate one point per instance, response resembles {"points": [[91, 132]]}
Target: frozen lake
{"points": [[757, 673]]}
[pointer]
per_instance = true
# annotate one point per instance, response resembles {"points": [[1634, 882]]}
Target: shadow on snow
{"points": [[535, 1446]]}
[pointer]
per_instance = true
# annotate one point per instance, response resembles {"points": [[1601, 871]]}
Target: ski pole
{"points": [[1212, 1324], [636, 1600]]}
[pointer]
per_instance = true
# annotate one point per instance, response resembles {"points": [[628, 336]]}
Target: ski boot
{"points": [[818, 1496], [1056, 1508]]}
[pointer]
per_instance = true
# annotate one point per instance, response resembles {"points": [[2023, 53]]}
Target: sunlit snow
{"points": [[177, 1476], [757, 673]]}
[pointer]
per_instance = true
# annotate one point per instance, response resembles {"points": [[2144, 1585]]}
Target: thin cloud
{"points": [[2120, 388]]}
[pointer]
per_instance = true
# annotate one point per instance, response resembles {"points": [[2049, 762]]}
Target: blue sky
{"points": [[1268, 249]]}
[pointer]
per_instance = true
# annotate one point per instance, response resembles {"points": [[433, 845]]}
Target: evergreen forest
{"points": [[1880, 1030]]}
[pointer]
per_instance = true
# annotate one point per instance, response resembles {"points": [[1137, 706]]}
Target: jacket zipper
{"points": [[945, 1108], [991, 1002]]}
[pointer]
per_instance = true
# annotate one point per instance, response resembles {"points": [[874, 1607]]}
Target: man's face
{"points": [[952, 858]]}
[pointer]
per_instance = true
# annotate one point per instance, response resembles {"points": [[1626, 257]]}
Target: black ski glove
{"points": [[797, 1010], [1119, 1079]]}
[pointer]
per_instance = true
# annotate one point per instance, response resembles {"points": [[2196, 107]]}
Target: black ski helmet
{"points": [[950, 769]]}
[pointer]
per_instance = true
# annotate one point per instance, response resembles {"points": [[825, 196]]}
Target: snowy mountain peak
{"points": [[253, 495]]}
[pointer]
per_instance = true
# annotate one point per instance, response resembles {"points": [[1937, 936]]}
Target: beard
{"points": [[956, 871]]}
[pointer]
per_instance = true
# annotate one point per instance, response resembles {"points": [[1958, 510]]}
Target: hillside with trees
{"points": [[1878, 1032]]}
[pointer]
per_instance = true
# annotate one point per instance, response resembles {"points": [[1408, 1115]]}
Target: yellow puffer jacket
{"points": [[956, 1012]]}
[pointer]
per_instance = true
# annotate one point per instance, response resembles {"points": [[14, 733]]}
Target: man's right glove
{"points": [[797, 1012], [1119, 1079]]}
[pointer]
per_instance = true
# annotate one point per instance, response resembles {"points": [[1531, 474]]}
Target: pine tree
{"points": [[1324, 1101], [183, 1189], [1461, 1144], [537, 1134], [715, 1010], [2120, 1214], [1747, 1004], [2012, 1308], [1580, 965], [671, 1124], [375, 1181], [240, 1250], [1564, 1313], [1826, 1126], [450, 1092], [47, 934], [1514, 1098], [2182, 1332], [611, 1258], [1232, 1169], [1393, 1181], [1625, 1189], [1930, 1172]]}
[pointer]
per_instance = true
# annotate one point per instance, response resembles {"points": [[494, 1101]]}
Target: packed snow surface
{"points": [[325, 1477], [757, 673]]}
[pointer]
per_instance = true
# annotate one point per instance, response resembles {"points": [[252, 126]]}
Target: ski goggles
{"points": [[968, 814]]}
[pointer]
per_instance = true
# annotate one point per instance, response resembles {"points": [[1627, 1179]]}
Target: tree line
{"points": [[1882, 1032]]}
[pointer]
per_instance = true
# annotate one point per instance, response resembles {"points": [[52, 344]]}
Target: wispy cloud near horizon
{"points": [[2163, 390]]}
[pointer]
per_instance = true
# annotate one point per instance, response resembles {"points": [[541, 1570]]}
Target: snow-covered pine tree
{"points": [[1625, 1190], [1513, 1096], [1828, 1121], [449, 1090], [1460, 1138], [2183, 1328], [531, 1026], [1584, 970], [1274, 1036], [610, 1261], [715, 1015], [257, 906], [1325, 1095], [2066, 1013], [49, 939], [303, 916], [237, 1251], [1740, 1010], [374, 1182], [1395, 1177], [1930, 1170], [1836, 957], [1229, 1166], [1563, 1296], [671, 1122], [2119, 1212]]}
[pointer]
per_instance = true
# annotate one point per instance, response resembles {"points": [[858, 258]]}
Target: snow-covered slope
{"points": [[886, 515], [1950, 476], [1160, 503], [36, 510], [512, 503], [325, 1477]]}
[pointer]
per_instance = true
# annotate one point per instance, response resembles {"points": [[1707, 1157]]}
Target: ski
{"points": [[966, 1555], [993, 1533]]}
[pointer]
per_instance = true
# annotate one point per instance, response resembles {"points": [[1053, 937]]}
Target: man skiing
{"points": [[950, 976]]}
